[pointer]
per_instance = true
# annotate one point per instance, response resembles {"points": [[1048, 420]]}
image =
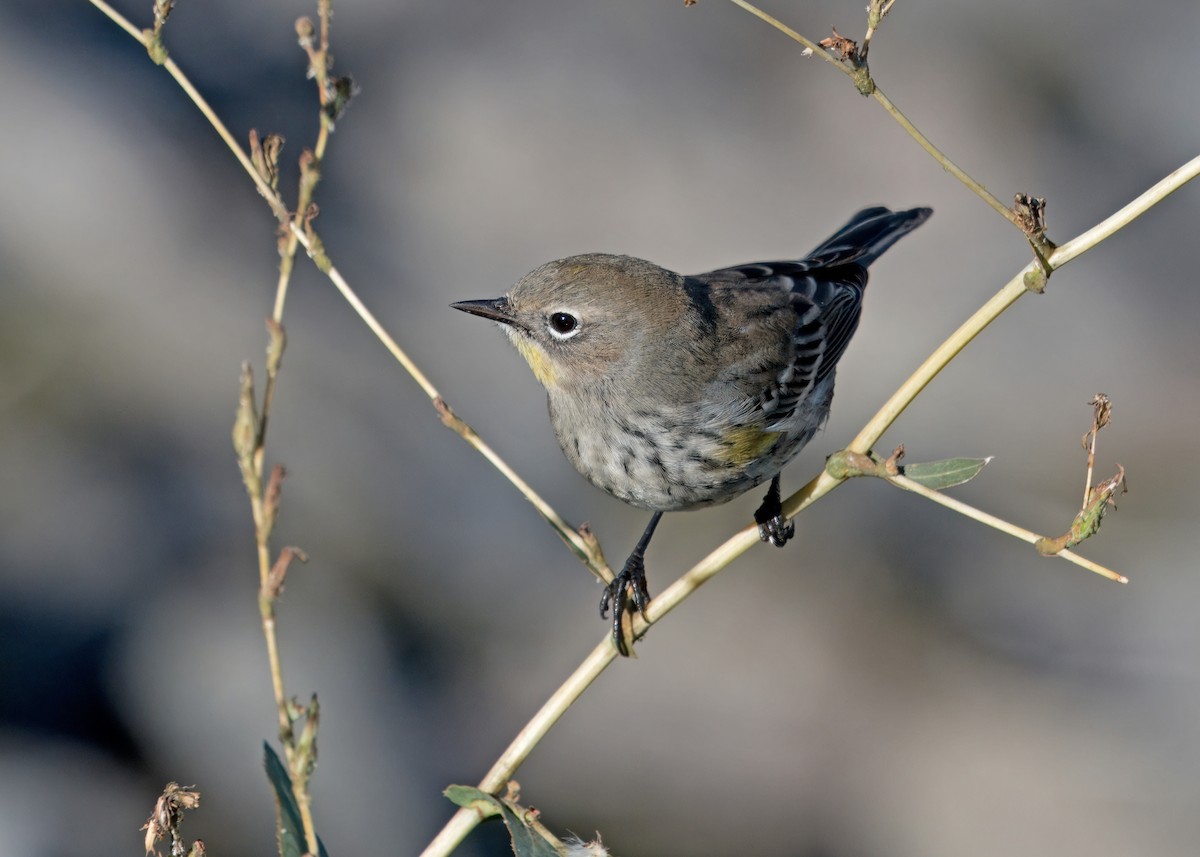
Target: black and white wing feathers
{"points": [[825, 291], [826, 303]]}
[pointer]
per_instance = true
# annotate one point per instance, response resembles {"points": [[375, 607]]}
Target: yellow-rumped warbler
{"points": [[673, 392]]}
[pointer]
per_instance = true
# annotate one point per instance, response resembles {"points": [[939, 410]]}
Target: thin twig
{"points": [[263, 522], [120, 20], [565, 531], [876, 12], [1101, 413], [310, 167], [277, 206], [811, 48], [854, 71], [938, 155], [1000, 524], [985, 315], [1091, 467], [463, 821], [938, 360], [577, 544], [1145, 201], [1008, 295]]}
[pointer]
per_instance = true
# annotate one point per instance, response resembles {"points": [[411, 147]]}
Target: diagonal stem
{"points": [[463, 821], [861, 75], [938, 155], [585, 550]]}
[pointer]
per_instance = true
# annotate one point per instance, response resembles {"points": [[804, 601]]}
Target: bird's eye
{"points": [[563, 325]]}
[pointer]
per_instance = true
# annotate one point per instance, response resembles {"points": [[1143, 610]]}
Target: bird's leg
{"points": [[772, 526], [632, 577]]}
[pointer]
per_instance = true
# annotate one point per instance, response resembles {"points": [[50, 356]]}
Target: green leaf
{"points": [[289, 827], [946, 473], [464, 796], [526, 841]]}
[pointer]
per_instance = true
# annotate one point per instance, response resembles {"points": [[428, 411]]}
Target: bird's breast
{"points": [[662, 458]]}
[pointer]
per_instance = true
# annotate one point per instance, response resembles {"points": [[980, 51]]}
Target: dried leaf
{"points": [[164, 822], [846, 49]]}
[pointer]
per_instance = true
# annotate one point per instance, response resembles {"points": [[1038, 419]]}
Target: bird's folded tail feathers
{"points": [[866, 236]]}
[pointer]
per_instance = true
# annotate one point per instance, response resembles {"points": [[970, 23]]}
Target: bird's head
{"points": [[580, 319]]}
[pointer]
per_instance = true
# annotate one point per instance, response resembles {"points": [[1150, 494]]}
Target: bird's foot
{"points": [[632, 579], [773, 527]]}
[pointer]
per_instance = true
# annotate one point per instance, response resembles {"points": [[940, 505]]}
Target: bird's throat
{"points": [[537, 359]]}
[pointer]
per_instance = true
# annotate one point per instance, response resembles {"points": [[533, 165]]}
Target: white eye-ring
{"points": [[562, 324]]}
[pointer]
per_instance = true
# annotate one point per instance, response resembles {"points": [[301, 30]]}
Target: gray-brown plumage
{"points": [[676, 392]]}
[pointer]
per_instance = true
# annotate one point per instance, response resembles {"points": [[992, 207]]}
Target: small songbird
{"points": [[675, 392]]}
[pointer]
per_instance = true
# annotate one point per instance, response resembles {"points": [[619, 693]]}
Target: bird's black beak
{"points": [[497, 309]]}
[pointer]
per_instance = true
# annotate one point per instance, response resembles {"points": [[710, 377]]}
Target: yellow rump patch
{"points": [[748, 443]]}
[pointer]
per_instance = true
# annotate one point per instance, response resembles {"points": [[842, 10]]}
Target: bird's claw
{"points": [[632, 579], [777, 530]]}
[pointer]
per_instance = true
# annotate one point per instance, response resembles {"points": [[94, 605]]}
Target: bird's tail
{"points": [[868, 234]]}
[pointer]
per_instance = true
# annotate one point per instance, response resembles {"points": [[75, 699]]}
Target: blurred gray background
{"points": [[899, 681]]}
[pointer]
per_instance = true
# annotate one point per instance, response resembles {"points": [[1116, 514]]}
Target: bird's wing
{"points": [[825, 291], [826, 303]]}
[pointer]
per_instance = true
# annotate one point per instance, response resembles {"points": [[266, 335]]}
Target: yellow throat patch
{"points": [[537, 359]]}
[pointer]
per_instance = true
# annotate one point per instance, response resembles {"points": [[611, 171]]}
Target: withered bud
{"points": [[305, 31]]}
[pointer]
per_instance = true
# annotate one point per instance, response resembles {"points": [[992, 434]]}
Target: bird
{"points": [[674, 392]]}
